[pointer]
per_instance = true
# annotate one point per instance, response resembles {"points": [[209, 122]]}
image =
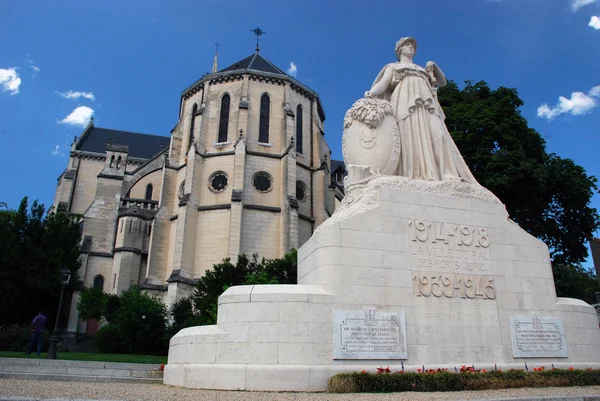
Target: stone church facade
{"points": [[245, 170]]}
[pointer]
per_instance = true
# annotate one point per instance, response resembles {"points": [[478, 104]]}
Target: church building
{"points": [[246, 169]]}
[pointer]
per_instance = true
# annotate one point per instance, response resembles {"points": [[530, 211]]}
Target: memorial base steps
{"points": [[46, 369]]}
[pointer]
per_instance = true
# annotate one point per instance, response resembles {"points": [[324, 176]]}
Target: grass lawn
{"points": [[91, 356]]}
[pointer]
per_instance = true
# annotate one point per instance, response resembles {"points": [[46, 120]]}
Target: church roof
{"points": [[255, 62], [337, 164], [141, 146]]}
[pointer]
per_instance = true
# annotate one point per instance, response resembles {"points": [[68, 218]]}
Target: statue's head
{"points": [[406, 46]]}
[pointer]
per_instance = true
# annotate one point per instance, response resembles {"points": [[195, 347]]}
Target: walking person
{"points": [[37, 335]]}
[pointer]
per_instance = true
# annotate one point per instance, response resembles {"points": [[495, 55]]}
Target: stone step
{"points": [[80, 370], [79, 378]]}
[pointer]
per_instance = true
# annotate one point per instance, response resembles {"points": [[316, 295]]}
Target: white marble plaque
{"points": [[369, 334], [537, 337]]}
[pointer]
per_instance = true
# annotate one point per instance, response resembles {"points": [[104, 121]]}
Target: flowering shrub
{"points": [[468, 378]]}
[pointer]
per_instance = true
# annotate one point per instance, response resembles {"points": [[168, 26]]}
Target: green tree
{"points": [[184, 315], [246, 271], [575, 282], [137, 324], [34, 246], [545, 194]]}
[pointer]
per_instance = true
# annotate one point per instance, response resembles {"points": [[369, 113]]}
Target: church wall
{"points": [[171, 249], [132, 232], [272, 166], [294, 99], [304, 207], [98, 265], [261, 233], [210, 166], [138, 191], [126, 266], [85, 188], [213, 239], [188, 106], [304, 231], [131, 167], [276, 116], [213, 112]]}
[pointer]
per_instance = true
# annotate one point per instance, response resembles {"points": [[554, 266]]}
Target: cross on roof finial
{"points": [[216, 60], [258, 32]]}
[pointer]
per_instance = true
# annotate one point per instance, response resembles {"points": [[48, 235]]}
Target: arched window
{"points": [[192, 123], [112, 161], [224, 119], [99, 282], [119, 162], [263, 129], [299, 129], [148, 192]]}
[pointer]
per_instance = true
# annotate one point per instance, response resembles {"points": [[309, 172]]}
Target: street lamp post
{"points": [[65, 276]]}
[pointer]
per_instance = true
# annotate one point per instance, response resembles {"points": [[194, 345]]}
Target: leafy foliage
{"points": [[245, 272], [575, 282], [137, 322], [34, 246], [92, 304], [17, 338], [446, 381], [184, 315], [545, 194]]}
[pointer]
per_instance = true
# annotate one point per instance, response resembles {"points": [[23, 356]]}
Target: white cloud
{"points": [[77, 95], [577, 4], [56, 151], [579, 103], [293, 70], [595, 22], [9, 80], [595, 91], [30, 61], [79, 117], [35, 68]]}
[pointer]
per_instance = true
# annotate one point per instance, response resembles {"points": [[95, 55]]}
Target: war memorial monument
{"points": [[420, 265]]}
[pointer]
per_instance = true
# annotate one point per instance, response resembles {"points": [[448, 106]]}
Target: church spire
{"points": [[215, 68]]}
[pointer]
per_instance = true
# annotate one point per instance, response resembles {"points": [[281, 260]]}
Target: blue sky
{"points": [[127, 61]]}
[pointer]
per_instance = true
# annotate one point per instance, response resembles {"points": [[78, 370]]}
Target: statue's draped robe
{"points": [[427, 149]]}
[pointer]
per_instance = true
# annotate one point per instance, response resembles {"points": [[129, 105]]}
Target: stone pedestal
{"points": [[405, 273]]}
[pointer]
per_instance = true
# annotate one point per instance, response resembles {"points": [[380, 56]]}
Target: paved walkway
{"points": [[36, 390]]}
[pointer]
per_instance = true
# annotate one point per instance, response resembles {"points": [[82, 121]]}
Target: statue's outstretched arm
{"points": [[439, 79], [379, 88]]}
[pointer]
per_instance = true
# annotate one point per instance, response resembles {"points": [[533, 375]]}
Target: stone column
{"points": [[187, 221], [235, 224]]}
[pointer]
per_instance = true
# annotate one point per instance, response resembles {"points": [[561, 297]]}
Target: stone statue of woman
{"points": [[426, 147]]}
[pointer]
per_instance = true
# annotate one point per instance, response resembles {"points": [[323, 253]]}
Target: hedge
{"points": [[468, 379]]}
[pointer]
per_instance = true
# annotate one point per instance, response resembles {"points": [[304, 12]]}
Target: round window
{"points": [[262, 181], [218, 181], [300, 191]]}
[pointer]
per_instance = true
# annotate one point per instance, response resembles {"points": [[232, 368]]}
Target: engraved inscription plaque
{"points": [[369, 334], [537, 337], [449, 248]]}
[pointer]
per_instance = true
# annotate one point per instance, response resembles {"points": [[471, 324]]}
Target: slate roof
{"points": [[255, 62], [142, 146], [335, 164]]}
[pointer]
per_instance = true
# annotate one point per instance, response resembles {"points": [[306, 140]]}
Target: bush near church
{"points": [[245, 271], [466, 379], [138, 322], [17, 338]]}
